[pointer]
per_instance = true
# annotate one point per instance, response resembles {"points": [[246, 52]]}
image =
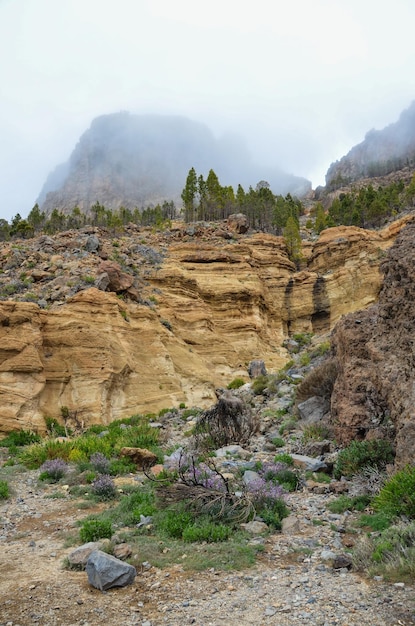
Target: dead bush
{"points": [[319, 382], [229, 421]]}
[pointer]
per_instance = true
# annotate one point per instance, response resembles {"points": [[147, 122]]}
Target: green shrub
{"points": [[390, 553], [305, 359], [4, 490], [375, 521], [288, 479], [346, 503], [259, 384], [94, 529], [303, 339], [20, 438], [273, 513], [236, 383], [208, 531], [284, 458], [278, 442], [173, 522], [397, 497], [54, 428], [360, 454]]}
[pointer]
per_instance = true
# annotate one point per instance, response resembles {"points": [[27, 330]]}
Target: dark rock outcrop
{"points": [[382, 152], [374, 393]]}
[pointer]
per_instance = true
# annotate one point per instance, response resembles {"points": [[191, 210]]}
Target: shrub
{"points": [[103, 487], [278, 442], [315, 432], [20, 438], [390, 553], [303, 339], [4, 490], [318, 382], [284, 458], [94, 529], [345, 503], [54, 428], [375, 521], [259, 384], [236, 383], [397, 497], [100, 463], [287, 425], [53, 470], [229, 421], [208, 531], [359, 454], [173, 522]]}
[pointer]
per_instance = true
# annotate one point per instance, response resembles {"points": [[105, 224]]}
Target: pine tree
{"points": [[189, 195], [293, 240]]}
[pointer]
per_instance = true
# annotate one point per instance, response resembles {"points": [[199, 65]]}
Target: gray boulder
{"points": [[257, 368], [313, 409], [308, 463], [105, 571]]}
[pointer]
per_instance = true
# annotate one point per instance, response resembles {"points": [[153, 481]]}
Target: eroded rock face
{"points": [[218, 306], [374, 394]]}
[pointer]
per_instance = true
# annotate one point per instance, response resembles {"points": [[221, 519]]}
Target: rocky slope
{"points": [[374, 392], [382, 151], [137, 160], [108, 326]]}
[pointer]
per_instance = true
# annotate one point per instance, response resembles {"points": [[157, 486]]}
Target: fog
{"points": [[299, 82]]}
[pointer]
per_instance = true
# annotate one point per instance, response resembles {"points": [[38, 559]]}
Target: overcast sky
{"points": [[301, 80]]}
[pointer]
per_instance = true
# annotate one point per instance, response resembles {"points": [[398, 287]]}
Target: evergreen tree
{"points": [[189, 195], [293, 240]]}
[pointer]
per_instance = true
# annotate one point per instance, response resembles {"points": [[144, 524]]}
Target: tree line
{"points": [[38, 222], [208, 200]]}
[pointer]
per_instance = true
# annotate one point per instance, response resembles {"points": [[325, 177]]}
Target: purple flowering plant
{"points": [[53, 470], [103, 487]]}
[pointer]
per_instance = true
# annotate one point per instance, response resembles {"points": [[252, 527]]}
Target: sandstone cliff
{"points": [[184, 314], [374, 392]]}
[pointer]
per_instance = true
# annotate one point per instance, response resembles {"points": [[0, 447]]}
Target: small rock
{"points": [[290, 525], [122, 551], [255, 527]]}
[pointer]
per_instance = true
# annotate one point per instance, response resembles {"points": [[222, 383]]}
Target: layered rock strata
{"points": [[202, 310]]}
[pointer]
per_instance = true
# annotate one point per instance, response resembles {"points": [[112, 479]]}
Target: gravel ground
{"points": [[292, 583]]}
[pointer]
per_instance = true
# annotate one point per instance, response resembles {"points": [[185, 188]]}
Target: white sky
{"points": [[301, 80]]}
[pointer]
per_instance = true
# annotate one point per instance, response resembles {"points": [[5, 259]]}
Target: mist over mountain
{"points": [[139, 160], [382, 152]]}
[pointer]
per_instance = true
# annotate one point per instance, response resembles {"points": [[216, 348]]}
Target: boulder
{"points": [[238, 223], [117, 279], [313, 409], [257, 368], [308, 462], [80, 556], [142, 457], [105, 571]]}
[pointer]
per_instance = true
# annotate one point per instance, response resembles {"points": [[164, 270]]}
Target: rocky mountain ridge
{"points": [[382, 152], [110, 325], [140, 160]]}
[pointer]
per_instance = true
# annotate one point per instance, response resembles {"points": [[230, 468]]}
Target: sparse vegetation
{"points": [[4, 490], [359, 454], [397, 497]]}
